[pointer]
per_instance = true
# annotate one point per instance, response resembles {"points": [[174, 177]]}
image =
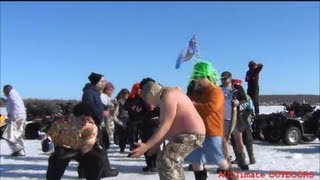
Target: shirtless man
{"points": [[180, 124]]}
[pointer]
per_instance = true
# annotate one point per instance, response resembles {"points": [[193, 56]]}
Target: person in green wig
{"points": [[208, 99]]}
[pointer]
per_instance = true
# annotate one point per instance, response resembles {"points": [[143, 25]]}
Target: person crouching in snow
{"points": [[75, 138]]}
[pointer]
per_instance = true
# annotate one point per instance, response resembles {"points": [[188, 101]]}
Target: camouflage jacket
{"points": [[74, 133]]}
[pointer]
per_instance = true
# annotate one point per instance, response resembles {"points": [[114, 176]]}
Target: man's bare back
{"points": [[177, 115], [187, 119]]}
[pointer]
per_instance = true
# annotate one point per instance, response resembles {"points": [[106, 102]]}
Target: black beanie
{"points": [[94, 78]]}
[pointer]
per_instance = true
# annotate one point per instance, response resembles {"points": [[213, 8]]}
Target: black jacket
{"points": [[132, 105], [252, 76]]}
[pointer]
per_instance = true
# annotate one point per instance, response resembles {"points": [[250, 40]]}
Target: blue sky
{"points": [[48, 49]]}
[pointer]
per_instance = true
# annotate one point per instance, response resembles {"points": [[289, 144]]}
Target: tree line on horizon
{"points": [[42, 107]]}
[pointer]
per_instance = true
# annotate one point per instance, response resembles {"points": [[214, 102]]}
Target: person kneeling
{"points": [[75, 138]]}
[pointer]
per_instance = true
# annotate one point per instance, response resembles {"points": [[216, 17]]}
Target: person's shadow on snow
{"points": [[30, 171], [302, 150], [26, 158]]}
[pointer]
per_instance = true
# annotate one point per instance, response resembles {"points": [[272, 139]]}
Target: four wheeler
{"points": [[298, 122]]}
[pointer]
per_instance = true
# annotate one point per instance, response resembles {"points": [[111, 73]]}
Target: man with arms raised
{"points": [[180, 124]]}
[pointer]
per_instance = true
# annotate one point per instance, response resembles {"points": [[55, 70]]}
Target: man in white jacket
{"points": [[16, 120]]}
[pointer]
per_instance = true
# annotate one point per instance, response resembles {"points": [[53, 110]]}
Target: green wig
{"points": [[205, 69]]}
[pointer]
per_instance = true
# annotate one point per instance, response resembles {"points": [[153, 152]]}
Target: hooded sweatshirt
{"points": [[91, 95]]}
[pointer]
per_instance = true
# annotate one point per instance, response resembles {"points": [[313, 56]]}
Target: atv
{"points": [[298, 122], [304, 128]]}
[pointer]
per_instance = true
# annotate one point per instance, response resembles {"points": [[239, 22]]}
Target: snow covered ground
{"points": [[270, 158]]}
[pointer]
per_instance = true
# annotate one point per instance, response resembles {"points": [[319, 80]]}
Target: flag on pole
{"points": [[189, 52]]}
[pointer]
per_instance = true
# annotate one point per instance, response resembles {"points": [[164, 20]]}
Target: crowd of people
{"points": [[164, 124]]}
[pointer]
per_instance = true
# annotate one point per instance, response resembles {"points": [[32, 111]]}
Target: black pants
{"points": [[103, 137], [147, 129], [120, 136], [92, 163], [134, 132], [254, 95], [102, 145]]}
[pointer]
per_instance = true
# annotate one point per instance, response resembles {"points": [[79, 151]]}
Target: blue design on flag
{"points": [[188, 53]]}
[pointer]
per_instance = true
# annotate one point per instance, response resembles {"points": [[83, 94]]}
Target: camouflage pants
{"points": [[171, 157]]}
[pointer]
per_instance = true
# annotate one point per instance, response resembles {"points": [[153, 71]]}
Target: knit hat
{"points": [[251, 64], [94, 78], [109, 85]]}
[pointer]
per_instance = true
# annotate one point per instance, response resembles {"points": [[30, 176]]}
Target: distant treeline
{"points": [[263, 99], [42, 107], [288, 99], [48, 106]]}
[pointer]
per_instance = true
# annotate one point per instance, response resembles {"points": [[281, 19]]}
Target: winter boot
{"points": [[250, 153], [146, 168], [249, 147], [154, 167], [252, 159], [237, 157], [201, 175], [234, 161], [110, 173], [150, 169], [241, 162]]}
